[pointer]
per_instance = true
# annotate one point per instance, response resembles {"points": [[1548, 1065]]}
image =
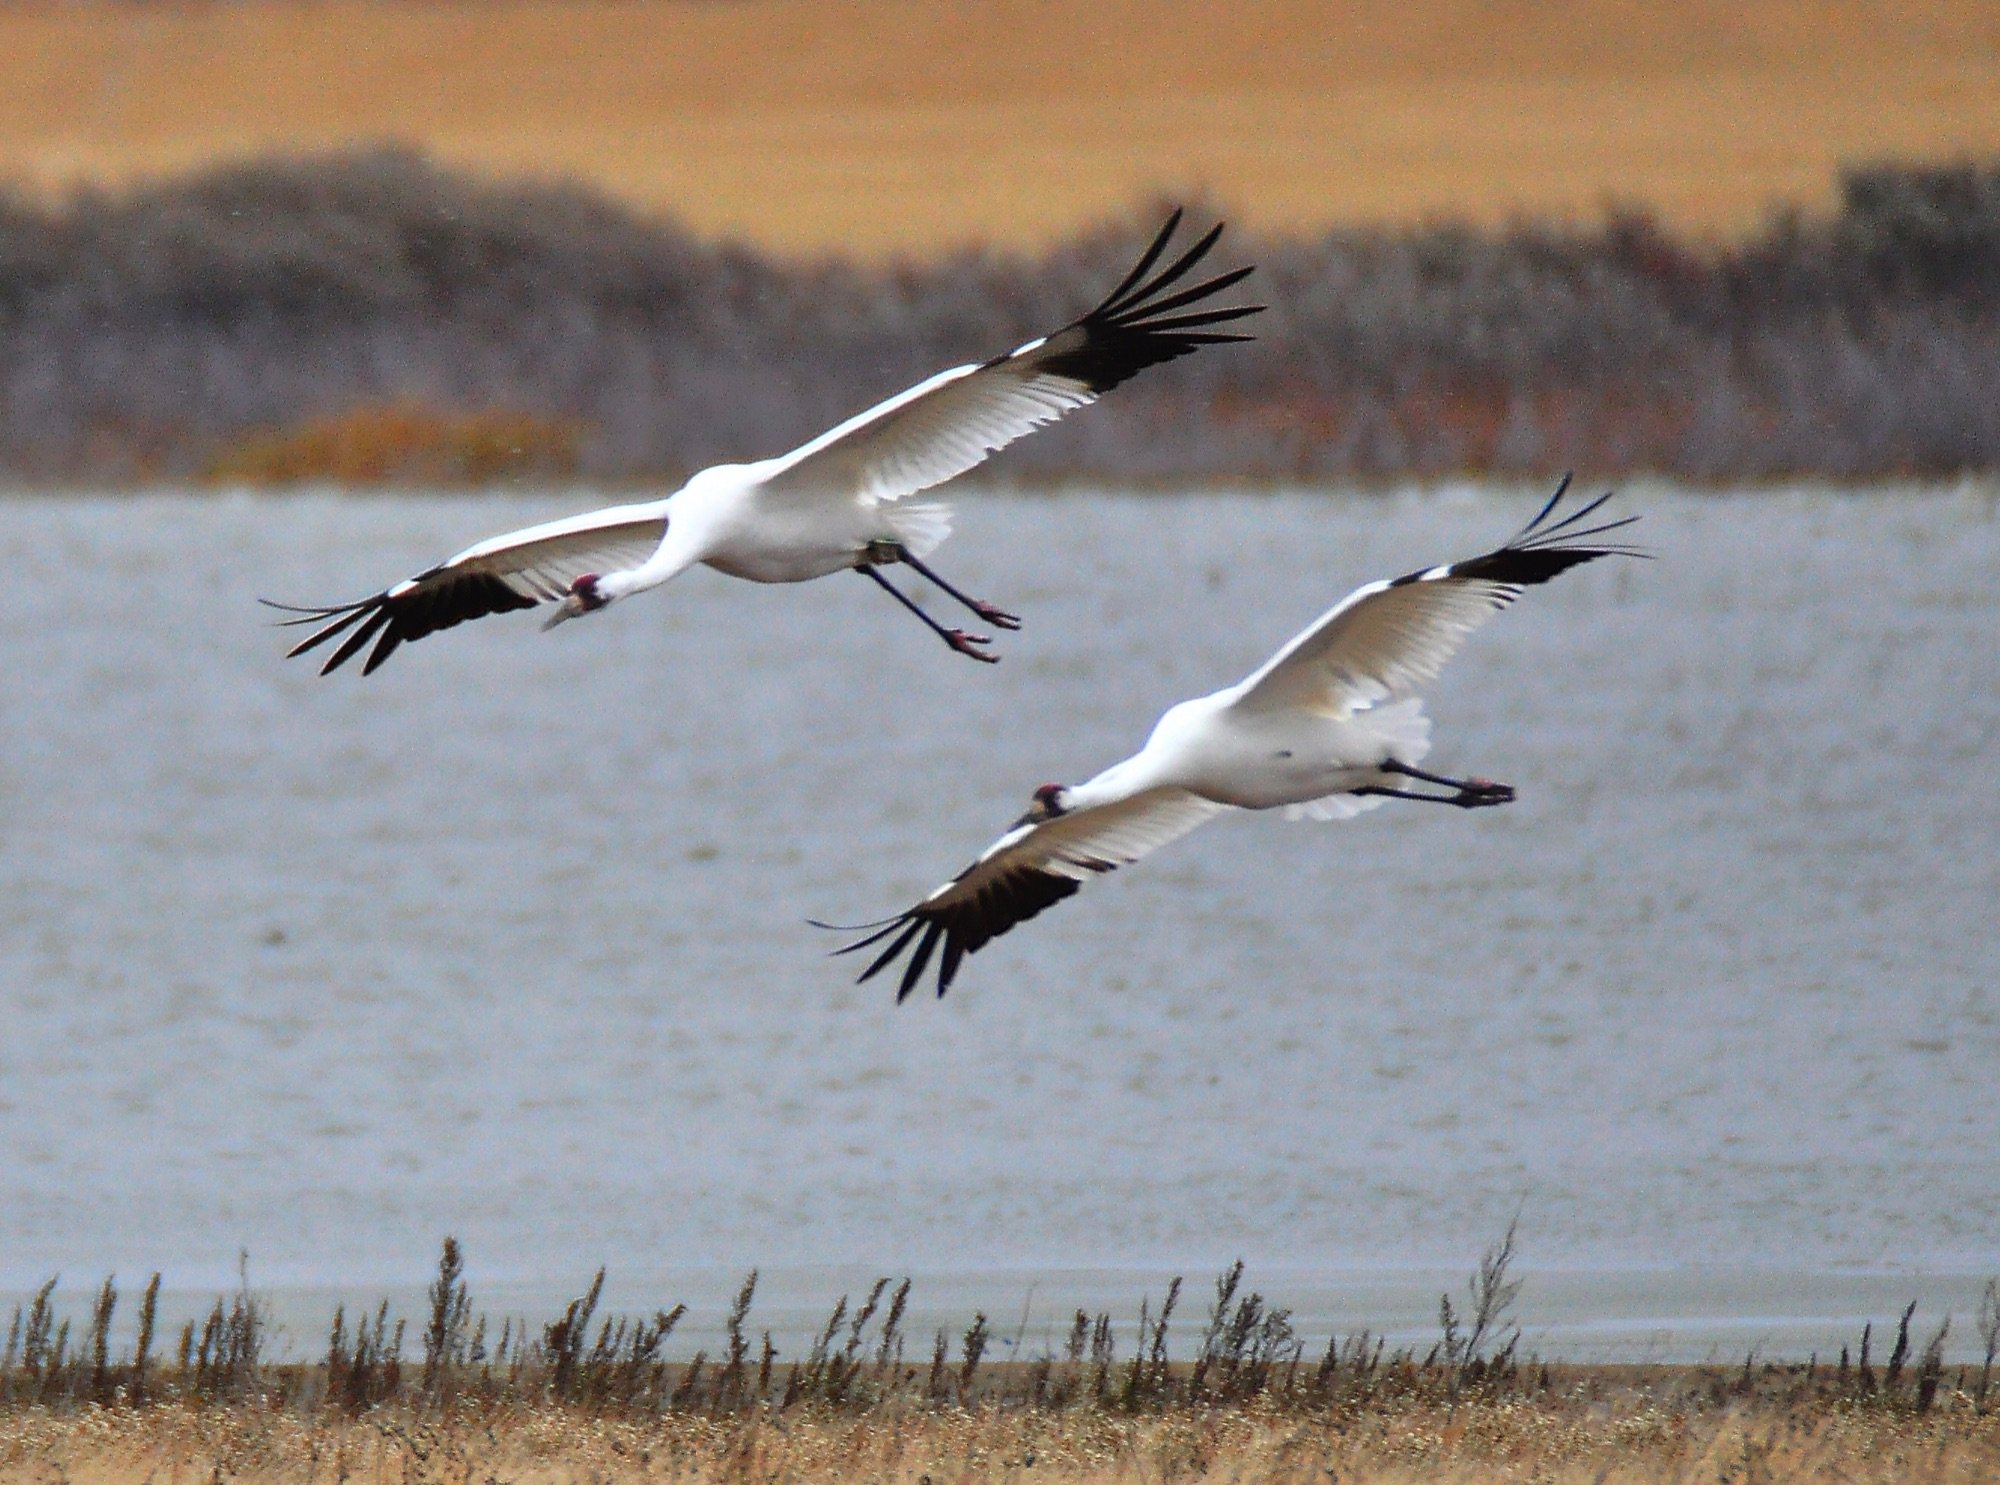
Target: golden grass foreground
{"points": [[591, 1399], [1590, 1427]]}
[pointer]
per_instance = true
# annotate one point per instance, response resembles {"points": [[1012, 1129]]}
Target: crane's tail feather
{"points": [[922, 527]]}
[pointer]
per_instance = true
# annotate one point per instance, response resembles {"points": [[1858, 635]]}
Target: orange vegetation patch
{"points": [[908, 125], [404, 443]]}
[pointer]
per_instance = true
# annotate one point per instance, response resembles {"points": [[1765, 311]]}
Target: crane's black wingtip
{"points": [[318, 613], [437, 599], [1544, 548], [875, 932], [921, 934], [1146, 320]]}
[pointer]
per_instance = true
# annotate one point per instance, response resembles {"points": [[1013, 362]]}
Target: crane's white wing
{"points": [[1389, 637], [947, 424], [536, 564], [1031, 867]]}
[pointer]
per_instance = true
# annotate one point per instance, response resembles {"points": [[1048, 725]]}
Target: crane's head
{"points": [[586, 595], [1046, 803]]}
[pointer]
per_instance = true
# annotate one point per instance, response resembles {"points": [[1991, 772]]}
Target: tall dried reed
{"points": [[1249, 1355]]}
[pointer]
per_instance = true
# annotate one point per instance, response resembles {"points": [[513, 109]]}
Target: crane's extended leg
{"points": [[958, 639], [1468, 794], [1465, 800], [990, 613]]}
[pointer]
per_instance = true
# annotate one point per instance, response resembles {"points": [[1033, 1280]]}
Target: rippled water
{"points": [[508, 940]]}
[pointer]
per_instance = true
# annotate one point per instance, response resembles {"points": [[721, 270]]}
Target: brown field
{"points": [[1597, 1435], [887, 125]]}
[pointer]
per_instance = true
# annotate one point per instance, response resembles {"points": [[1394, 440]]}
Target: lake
{"points": [[508, 940]]}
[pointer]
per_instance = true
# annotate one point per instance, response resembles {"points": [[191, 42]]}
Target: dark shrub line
{"points": [[374, 316]]}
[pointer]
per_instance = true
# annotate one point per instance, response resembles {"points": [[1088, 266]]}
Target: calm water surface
{"points": [[508, 940]]}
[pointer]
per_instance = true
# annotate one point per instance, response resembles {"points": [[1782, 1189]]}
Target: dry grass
{"points": [[871, 126], [589, 1398], [1595, 1429]]}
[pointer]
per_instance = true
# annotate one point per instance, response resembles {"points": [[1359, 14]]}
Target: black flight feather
{"points": [[1135, 328], [959, 928], [425, 609]]}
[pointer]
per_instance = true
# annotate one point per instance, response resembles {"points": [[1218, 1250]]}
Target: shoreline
{"points": [[1972, 484], [1672, 1317]]}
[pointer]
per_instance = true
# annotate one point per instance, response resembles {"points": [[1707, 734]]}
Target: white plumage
{"points": [[834, 504], [1325, 728]]}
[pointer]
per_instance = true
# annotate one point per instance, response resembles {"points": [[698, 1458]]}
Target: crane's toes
{"points": [[968, 644], [998, 617], [1479, 793]]}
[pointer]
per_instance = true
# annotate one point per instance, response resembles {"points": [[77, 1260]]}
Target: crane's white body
{"points": [[728, 518], [1253, 759]]}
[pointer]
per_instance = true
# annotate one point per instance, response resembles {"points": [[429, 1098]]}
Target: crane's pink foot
{"points": [[1478, 793], [993, 614], [968, 644]]}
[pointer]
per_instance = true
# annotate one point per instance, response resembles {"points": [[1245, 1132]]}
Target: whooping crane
{"points": [[1327, 727], [831, 505]]}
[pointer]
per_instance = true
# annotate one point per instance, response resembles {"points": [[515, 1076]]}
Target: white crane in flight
{"points": [[1327, 727], [834, 504]]}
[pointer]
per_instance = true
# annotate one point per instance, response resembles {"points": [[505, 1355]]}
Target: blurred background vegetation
{"points": [[377, 317], [617, 240]]}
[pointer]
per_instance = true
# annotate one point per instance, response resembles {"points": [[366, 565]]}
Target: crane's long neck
{"points": [[674, 556], [1119, 782], [1169, 760]]}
